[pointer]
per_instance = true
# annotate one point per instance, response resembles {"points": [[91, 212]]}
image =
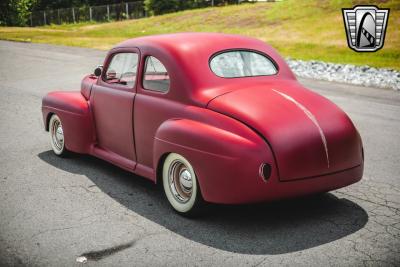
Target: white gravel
{"points": [[346, 73]]}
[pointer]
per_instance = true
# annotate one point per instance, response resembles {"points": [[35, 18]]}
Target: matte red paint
{"points": [[226, 128]]}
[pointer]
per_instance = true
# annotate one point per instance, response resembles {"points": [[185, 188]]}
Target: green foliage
{"points": [[158, 7], [15, 12]]}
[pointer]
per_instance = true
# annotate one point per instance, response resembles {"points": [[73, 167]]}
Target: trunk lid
{"points": [[309, 135]]}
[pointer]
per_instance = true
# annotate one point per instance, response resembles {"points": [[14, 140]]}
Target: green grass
{"points": [[300, 29]]}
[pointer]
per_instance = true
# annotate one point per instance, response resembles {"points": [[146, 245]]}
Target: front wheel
{"points": [[57, 136], [180, 185]]}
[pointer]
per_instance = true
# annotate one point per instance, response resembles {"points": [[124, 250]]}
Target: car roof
{"points": [[194, 40], [187, 55]]}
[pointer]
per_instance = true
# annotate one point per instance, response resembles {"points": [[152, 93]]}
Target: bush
{"points": [[157, 7], [15, 12]]}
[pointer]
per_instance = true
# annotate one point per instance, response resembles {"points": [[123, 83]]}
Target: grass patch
{"points": [[307, 29]]}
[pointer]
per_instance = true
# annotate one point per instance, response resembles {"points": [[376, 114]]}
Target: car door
{"points": [[112, 102]]}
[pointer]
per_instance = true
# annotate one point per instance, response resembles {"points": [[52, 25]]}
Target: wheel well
{"points": [[48, 120], [160, 167]]}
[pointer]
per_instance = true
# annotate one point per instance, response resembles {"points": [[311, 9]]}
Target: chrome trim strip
{"points": [[311, 117]]}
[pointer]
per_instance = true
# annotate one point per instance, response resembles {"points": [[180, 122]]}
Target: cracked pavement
{"points": [[54, 210]]}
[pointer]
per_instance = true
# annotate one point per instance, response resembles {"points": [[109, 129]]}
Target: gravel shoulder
{"points": [[346, 73]]}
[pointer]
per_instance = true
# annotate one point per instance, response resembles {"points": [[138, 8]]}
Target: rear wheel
{"points": [[181, 186], [57, 136]]}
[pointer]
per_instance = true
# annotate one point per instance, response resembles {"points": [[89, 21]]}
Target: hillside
{"points": [[306, 29]]}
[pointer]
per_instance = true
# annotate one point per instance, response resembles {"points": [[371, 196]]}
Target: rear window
{"points": [[234, 64]]}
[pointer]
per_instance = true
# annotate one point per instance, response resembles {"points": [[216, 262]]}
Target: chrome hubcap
{"points": [[57, 135], [180, 181]]}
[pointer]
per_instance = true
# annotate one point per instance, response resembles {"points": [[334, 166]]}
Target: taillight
{"points": [[265, 171]]}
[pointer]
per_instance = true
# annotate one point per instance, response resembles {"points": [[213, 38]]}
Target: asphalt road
{"points": [[53, 210]]}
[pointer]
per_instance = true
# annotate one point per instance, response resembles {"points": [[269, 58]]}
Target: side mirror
{"points": [[98, 71]]}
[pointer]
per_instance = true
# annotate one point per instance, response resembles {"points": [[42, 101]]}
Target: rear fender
{"points": [[74, 112], [218, 156]]}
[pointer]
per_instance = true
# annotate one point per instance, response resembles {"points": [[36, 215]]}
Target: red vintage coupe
{"points": [[216, 118]]}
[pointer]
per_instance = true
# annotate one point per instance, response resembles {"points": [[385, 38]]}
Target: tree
{"points": [[156, 7], [15, 12]]}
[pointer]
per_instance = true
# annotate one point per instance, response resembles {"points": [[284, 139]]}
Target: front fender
{"points": [[226, 163], [74, 112]]}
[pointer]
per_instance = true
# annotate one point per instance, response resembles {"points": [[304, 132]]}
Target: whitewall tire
{"points": [[57, 136], [181, 186]]}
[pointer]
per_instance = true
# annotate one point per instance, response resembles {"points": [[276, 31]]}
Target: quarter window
{"points": [[234, 64], [122, 69], [156, 77]]}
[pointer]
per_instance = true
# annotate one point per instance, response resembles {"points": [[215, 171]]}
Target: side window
{"points": [[122, 69], [155, 77]]}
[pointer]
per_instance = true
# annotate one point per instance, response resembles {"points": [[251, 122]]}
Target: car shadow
{"points": [[273, 228]]}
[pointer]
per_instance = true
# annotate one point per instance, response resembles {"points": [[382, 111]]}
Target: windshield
{"points": [[234, 64]]}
